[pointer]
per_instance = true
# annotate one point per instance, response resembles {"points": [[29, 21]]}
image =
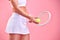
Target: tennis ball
{"points": [[37, 20]]}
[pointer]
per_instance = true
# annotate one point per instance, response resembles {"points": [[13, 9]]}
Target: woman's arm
{"points": [[22, 11]]}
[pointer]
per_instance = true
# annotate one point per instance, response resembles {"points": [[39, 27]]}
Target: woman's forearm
{"points": [[23, 12]]}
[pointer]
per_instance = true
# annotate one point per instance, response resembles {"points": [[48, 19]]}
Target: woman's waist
{"points": [[21, 7], [15, 15]]}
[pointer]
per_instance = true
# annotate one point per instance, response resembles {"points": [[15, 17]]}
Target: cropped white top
{"points": [[20, 3]]}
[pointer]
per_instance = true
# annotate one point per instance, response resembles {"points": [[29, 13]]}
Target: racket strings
{"points": [[44, 17]]}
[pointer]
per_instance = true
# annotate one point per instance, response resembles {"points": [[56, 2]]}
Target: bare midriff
{"points": [[21, 7]]}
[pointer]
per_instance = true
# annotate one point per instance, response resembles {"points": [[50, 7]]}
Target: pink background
{"points": [[47, 32]]}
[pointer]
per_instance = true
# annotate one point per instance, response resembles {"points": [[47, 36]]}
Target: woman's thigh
{"points": [[19, 36], [25, 37], [14, 36]]}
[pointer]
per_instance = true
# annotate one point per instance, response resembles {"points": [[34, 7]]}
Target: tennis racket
{"points": [[43, 18]]}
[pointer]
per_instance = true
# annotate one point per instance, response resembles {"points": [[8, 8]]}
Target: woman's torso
{"points": [[20, 3]]}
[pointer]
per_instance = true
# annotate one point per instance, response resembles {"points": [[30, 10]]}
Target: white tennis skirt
{"points": [[17, 24]]}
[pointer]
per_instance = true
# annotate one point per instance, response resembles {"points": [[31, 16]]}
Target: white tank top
{"points": [[20, 3]]}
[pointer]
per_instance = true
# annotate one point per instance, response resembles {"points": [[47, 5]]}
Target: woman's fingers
{"points": [[34, 20], [30, 21]]}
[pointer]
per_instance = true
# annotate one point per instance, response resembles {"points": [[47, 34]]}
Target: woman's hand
{"points": [[33, 19]]}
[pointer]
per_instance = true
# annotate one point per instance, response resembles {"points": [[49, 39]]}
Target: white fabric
{"points": [[17, 24], [21, 2]]}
